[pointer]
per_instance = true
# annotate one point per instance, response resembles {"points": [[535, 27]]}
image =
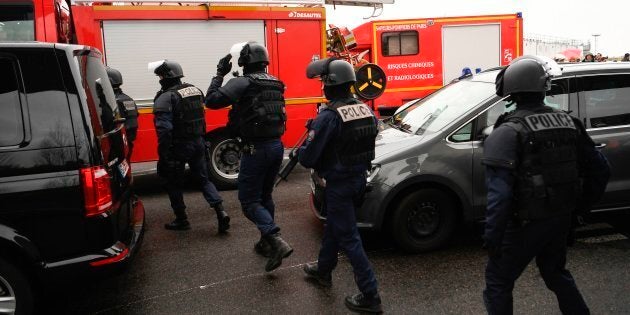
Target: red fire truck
{"points": [[196, 34], [419, 56]]}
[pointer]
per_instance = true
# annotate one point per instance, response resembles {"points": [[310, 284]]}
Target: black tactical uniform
{"points": [[126, 106], [258, 118], [534, 165], [180, 125], [340, 148]]}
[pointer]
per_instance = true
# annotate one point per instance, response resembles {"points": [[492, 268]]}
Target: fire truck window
{"points": [[11, 124], [400, 43], [16, 23]]}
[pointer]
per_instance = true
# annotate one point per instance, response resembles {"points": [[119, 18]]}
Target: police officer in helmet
{"points": [[340, 147], [536, 159], [258, 118], [180, 126], [126, 106]]}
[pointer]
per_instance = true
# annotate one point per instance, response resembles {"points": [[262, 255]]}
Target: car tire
{"points": [[424, 220], [16, 291], [223, 159]]}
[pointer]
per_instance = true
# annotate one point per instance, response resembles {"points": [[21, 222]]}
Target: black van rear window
{"points": [[102, 105]]}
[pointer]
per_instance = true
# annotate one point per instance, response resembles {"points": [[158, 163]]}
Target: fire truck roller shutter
{"points": [[473, 46], [196, 45]]}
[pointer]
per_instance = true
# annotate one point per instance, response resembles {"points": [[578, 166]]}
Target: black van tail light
{"points": [[96, 190]]}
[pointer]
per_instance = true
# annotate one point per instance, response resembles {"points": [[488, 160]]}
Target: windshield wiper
{"points": [[391, 123]]}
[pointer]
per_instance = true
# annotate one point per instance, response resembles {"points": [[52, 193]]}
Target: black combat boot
{"points": [[180, 223], [263, 248], [222, 218], [361, 303], [312, 272], [279, 250]]}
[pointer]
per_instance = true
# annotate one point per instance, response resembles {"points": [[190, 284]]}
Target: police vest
{"points": [[355, 145], [547, 175], [128, 110], [260, 113], [189, 113]]}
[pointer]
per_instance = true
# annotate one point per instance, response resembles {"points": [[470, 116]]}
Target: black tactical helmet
{"points": [[169, 70], [526, 74], [332, 71], [253, 53], [115, 78]]}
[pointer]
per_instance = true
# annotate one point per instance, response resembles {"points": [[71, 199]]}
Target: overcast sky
{"points": [[577, 19]]}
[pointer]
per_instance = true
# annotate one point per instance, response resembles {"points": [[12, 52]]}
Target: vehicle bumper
{"points": [[112, 258]]}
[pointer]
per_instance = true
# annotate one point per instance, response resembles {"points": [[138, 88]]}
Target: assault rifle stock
{"points": [[293, 156]]}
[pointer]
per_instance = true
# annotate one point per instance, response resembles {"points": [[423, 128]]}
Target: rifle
{"points": [[293, 156]]}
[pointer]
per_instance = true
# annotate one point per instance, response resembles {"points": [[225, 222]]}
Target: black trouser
{"points": [[546, 240], [191, 152]]}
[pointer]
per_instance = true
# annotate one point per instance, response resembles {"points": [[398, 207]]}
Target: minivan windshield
{"points": [[16, 22], [440, 108]]}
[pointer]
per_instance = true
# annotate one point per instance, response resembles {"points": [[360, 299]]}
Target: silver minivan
{"points": [[427, 175]]}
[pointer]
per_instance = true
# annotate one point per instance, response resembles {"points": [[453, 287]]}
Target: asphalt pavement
{"points": [[201, 272]]}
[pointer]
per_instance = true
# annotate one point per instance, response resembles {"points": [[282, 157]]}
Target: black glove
{"points": [[494, 252], [224, 66]]}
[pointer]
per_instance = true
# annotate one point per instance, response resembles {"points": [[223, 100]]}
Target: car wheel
{"points": [[16, 293], [224, 159], [424, 220]]}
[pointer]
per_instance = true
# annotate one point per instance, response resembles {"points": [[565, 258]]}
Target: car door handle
{"points": [[600, 146]]}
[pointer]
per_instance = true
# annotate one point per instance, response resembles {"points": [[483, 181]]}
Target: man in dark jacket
{"points": [[535, 159], [340, 147], [180, 125], [126, 106], [258, 118]]}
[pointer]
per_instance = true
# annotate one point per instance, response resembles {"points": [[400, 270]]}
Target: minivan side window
{"points": [[400, 43], [11, 122], [607, 100], [48, 107], [557, 97]]}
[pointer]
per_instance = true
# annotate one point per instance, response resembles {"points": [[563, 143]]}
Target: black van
{"points": [[65, 186]]}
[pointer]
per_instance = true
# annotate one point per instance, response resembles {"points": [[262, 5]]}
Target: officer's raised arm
{"points": [[215, 98]]}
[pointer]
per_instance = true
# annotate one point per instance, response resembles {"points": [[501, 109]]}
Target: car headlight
{"points": [[372, 172]]}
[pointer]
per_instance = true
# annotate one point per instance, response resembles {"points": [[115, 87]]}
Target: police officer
{"points": [[534, 159], [340, 147], [126, 106], [258, 118], [180, 126]]}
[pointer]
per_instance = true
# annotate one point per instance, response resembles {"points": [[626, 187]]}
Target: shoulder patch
{"points": [[189, 91], [545, 121], [354, 112]]}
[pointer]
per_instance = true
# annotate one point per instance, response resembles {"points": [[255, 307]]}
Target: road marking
{"points": [[210, 285], [603, 239]]}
